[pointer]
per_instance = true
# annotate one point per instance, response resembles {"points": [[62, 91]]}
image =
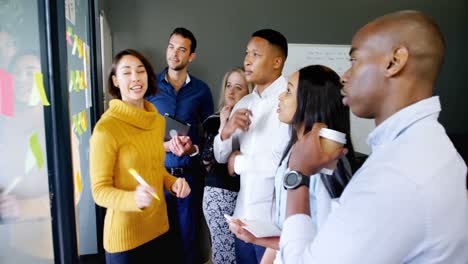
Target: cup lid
{"points": [[333, 135]]}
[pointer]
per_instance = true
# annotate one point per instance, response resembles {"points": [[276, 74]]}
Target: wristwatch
{"points": [[294, 179]]}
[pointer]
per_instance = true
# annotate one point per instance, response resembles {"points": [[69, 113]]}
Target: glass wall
{"points": [[47, 111], [25, 224]]}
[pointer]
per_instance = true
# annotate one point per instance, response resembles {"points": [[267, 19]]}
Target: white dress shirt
{"points": [[261, 148], [406, 204]]}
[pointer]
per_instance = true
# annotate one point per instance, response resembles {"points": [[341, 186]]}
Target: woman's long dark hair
{"points": [[319, 100], [152, 83]]}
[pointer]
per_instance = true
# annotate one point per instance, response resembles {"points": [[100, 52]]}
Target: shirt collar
{"points": [[393, 126], [279, 83], [162, 76]]}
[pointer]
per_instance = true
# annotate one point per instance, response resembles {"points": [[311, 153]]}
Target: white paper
{"points": [[258, 228], [85, 66], [261, 228], [70, 11], [88, 98], [34, 96], [30, 162], [87, 69]]}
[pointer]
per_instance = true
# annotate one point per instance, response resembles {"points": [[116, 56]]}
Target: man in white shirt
{"points": [[255, 127], [407, 203]]}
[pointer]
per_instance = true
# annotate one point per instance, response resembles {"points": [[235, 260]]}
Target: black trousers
{"points": [[155, 251]]}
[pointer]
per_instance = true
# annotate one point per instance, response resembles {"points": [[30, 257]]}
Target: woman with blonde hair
{"points": [[220, 191]]}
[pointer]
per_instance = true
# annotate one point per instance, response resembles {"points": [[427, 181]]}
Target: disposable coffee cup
{"points": [[330, 141]]}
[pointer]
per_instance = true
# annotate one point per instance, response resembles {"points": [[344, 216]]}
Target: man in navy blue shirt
{"points": [[187, 99]]}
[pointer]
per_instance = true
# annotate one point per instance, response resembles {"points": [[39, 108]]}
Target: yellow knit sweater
{"points": [[127, 137]]}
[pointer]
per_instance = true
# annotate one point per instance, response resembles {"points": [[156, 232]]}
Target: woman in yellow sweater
{"points": [[129, 135]]}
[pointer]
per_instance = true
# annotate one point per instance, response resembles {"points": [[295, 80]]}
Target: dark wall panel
{"points": [[223, 28]]}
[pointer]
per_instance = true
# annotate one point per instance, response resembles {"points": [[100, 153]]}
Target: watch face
{"points": [[291, 179], [294, 179]]}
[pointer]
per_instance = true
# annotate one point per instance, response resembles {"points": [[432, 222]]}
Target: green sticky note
{"points": [[76, 123], [36, 150]]}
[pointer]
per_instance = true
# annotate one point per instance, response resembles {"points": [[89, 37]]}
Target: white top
{"points": [[261, 149], [320, 200], [406, 204]]}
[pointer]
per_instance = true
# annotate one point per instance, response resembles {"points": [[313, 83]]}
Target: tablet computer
{"points": [[175, 127]]}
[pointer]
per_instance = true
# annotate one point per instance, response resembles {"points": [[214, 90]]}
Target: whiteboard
{"points": [[335, 57]]}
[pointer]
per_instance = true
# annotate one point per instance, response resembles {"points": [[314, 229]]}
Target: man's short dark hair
{"points": [[275, 38], [186, 34]]}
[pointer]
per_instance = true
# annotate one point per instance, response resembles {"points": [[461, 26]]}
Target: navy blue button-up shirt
{"points": [[192, 104]]}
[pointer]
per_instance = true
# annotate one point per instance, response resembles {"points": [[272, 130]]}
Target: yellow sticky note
{"points": [[75, 147], [81, 80], [80, 49], [83, 121], [87, 55], [36, 150], [79, 186], [75, 44], [40, 86], [76, 83], [76, 124]]}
